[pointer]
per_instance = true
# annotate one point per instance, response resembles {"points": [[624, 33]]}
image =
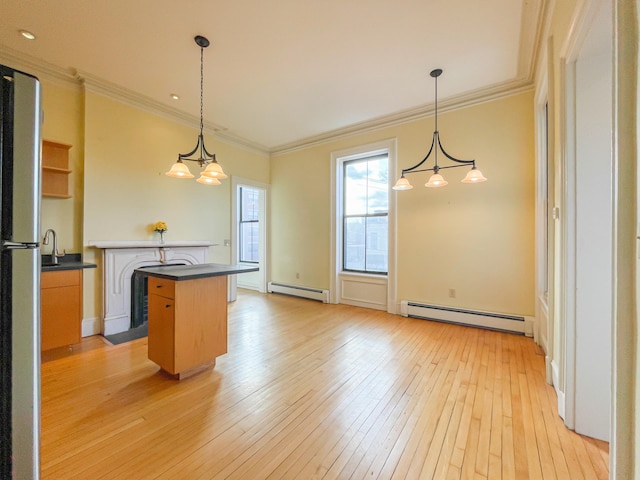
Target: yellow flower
{"points": [[160, 227]]}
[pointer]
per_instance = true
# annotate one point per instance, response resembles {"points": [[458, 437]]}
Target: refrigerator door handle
{"points": [[6, 245]]}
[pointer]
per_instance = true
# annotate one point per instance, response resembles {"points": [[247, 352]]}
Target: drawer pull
{"points": [[167, 306]]}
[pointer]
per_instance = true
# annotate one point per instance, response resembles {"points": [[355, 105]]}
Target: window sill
{"points": [[371, 277]]}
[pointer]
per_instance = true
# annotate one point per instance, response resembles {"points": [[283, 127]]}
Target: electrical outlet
{"points": [[297, 275], [452, 293]]}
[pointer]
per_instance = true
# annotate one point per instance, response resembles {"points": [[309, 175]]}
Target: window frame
{"points": [[344, 216], [242, 222]]}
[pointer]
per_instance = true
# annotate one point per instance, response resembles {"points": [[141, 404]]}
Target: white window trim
{"points": [[337, 160]]}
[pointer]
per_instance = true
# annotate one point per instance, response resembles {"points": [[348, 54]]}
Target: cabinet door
{"points": [[60, 316], [161, 337]]}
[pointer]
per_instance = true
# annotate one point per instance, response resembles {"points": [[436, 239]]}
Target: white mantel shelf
{"points": [[107, 244]]}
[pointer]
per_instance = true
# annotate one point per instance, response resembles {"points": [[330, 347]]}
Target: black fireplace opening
{"points": [[139, 295]]}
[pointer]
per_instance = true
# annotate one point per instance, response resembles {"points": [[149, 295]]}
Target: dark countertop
{"points": [[190, 272], [71, 261]]}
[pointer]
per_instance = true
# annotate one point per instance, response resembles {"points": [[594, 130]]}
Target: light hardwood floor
{"points": [[313, 391]]}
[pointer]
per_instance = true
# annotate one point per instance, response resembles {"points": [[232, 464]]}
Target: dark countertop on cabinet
{"points": [[190, 272], [71, 261]]}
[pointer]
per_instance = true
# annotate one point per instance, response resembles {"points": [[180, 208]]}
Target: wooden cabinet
{"points": [[187, 323], [60, 308], [55, 169]]}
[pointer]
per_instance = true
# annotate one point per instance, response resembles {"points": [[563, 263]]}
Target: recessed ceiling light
{"points": [[27, 34], [174, 96]]}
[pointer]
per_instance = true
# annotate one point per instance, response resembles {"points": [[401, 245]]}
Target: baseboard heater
{"points": [[296, 291], [493, 321]]}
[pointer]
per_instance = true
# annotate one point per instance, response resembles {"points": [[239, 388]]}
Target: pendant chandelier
{"points": [[437, 180], [213, 172]]}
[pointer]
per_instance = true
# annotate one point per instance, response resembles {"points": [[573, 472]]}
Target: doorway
{"points": [[249, 234]]}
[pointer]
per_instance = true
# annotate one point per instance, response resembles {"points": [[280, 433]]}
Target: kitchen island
{"points": [[188, 315]]}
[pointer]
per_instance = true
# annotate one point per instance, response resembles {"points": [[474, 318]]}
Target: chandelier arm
{"points": [[466, 162], [209, 156], [422, 170], [454, 166], [411, 169], [183, 156]]}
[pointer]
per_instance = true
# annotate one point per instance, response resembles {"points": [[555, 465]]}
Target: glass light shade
{"points": [[208, 180], [474, 176], [402, 184], [436, 180], [214, 170], [179, 170]]}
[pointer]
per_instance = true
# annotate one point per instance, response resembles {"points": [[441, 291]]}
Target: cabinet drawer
{"points": [[162, 286], [63, 278]]}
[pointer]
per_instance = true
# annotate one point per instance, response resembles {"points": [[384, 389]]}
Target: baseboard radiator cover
{"points": [[297, 291], [488, 320]]}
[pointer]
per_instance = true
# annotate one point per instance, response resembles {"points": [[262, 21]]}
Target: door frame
{"points": [[263, 273], [569, 205]]}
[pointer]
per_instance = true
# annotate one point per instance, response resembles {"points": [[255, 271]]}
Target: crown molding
{"points": [[78, 79], [108, 89], [533, 25], [34, 66], [468, 99]]}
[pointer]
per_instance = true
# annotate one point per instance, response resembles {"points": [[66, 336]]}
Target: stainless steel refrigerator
{"points": [[20, 118]]}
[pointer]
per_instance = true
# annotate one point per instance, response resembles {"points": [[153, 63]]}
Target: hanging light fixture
{"points": [[437, 180], [213, 172]]}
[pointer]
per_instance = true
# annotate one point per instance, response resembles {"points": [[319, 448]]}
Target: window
{"points": [[366, 214], [248, 225]]}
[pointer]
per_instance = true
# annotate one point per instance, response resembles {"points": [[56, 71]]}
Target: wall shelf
{"points": [[55, 169]]}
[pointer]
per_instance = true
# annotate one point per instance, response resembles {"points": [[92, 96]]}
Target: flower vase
{"points": [[162, 237]]}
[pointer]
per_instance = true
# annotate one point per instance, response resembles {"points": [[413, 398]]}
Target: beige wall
{"points": [[477, 239], [63, 110]]}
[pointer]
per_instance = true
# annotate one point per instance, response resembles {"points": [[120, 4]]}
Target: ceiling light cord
{"points": [[201, 88]]}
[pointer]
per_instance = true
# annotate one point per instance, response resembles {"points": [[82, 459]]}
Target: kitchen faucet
{"points": [[54, 250]]}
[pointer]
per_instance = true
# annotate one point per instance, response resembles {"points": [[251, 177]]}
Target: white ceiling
{"points": [[283, 72]]}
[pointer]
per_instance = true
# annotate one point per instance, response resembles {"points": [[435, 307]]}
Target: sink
{"points": [[69, 258], [47, 264], [71, 261]]}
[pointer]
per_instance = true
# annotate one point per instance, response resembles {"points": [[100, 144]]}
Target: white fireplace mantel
{"points": [[122, 258], [105, 244]]}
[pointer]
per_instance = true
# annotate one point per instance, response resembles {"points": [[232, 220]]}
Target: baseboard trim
{"points": [[91, 326]]}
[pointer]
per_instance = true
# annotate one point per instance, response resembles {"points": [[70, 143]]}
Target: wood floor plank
{"points": [[313, 391]]}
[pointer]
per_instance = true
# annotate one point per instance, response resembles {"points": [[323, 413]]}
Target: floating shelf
{"points": [[55, 169]]}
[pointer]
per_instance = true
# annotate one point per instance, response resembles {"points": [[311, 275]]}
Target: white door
{"points": [[588, 352]]}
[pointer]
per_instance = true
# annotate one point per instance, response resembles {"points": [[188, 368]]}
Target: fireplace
{"points": [[139, 296], [121, 259]]}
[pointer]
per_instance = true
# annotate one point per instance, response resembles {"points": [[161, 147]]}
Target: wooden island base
{"points": [[188, 316], [190, 372]]}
